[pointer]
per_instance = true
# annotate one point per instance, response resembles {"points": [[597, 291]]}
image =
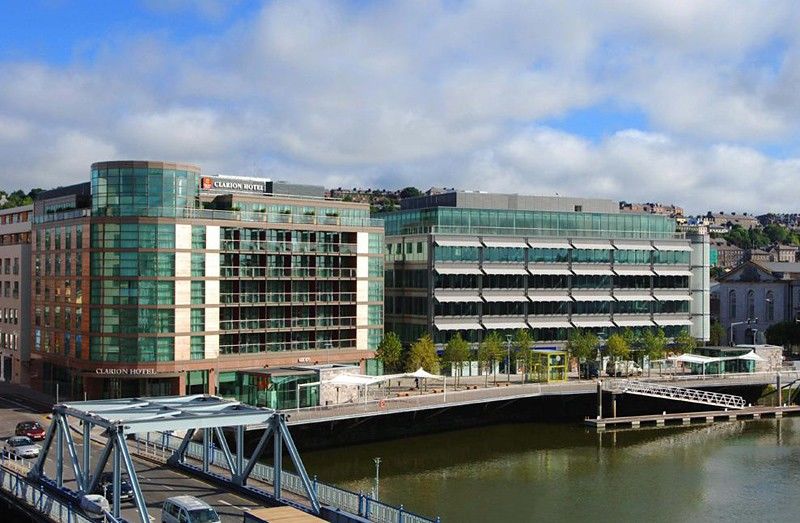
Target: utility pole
{"points": [[377, 477], [508, 361]]}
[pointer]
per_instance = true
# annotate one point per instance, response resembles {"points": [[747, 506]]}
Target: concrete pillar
{"points": [[599, 399], [779, 391], [613, 405], [2, 367]]}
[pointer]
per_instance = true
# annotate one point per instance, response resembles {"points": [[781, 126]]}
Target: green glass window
{"points": [[197, 347], [198, 237], [198, 292], [198, 320], [198, 264]]}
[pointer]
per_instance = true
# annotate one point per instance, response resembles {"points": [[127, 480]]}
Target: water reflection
{"points": [[530, 472]]}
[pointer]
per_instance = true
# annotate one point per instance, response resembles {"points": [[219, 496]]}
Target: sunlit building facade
{"points": [[154, 279], [476, 262]]}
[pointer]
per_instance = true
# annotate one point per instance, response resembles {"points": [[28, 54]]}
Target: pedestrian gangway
{"points": [[657, 390]]}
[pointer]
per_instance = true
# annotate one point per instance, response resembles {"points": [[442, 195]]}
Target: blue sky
{"points": [[672, 101]]}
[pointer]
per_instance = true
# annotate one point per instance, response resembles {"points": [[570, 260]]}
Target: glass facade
{"points": [[450, 220], [477, 270], [151, 267]]}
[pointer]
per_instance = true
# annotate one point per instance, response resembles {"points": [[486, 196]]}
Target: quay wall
{"points": [[563, 408]]}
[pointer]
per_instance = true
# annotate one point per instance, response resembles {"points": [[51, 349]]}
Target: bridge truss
{"points": [[117, 419], [659, 390]]}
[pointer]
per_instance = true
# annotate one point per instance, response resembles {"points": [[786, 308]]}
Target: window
{"points": [[198, 292], [732, 304], [751, 304], [770, 306], [197, 347], [198, 320]]}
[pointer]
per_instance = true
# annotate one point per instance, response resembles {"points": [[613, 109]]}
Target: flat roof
{"points": [[150, 414]]}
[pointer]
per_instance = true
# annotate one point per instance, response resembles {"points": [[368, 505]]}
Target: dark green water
{"points": [[740, 471]]}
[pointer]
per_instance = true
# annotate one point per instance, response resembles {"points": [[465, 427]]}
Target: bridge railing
{"points": [[354, 503], [37, 499]]}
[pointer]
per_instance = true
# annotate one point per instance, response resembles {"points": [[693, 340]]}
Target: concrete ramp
{"points": [[670, 392]]}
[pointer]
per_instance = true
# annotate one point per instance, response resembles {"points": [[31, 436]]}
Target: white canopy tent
{"points": [[705, 360], [364, 381]]}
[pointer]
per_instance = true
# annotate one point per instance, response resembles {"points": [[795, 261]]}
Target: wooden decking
{"points": [[692, 418]]}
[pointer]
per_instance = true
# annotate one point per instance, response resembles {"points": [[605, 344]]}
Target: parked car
{"points": [[95, 505], [623, 368], [21, 447], [106, 487], [188, 509], [32, 429]]}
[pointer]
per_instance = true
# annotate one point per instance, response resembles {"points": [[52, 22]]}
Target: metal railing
{"points": [[37, 499], [354, 503], [657, 390]]}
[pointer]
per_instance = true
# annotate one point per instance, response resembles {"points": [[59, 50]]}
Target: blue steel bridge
{"points": [[169, 446]]}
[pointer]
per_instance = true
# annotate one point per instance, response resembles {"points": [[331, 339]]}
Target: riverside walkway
{"points": [[386, 402]]}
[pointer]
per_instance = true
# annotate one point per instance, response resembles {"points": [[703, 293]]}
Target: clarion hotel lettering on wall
{"points": [[207, 183], [125, 372]]}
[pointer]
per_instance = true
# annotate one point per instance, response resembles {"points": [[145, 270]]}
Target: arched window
{"points": [[732, 305], [751, 304], [770, 306]]}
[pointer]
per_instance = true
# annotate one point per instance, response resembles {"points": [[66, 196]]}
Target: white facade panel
{"points": [[212, 237], [182, 348], [183, 264], [183, 236], [362, 243], [212, 265]]}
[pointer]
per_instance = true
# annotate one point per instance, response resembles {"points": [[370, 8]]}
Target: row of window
{"points": [[58, 238], [418, 279], [9, 267], [15, 217], [551, 308], [750, 305], [549, 255]]}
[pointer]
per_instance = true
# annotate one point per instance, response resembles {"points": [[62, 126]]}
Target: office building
{"points": [[15, 283], [154, 279], [476, 262]]}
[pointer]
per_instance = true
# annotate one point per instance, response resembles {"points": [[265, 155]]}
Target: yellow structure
{"points": [[548, 365]]}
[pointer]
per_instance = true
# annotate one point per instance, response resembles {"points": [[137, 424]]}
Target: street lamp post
{"points": [[508, 360], [377, 477]]}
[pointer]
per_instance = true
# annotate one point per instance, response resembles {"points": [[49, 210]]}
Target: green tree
{"points": [[489, 352], [777, 233], [785, 333], [717, 334], [582, 344], [456, 352], [390, 351], [684, 342], [654, 343], [618, 347], [410, 192], [523, 338], [422, 355]]}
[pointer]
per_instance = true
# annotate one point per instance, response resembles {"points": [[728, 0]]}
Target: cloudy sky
{"points": [[691, 102]]}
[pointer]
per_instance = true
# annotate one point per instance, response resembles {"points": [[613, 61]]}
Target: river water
{"points": [[736, 471]]}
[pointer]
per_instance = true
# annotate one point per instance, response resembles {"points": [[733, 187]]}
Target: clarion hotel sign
{"points": [[208, 183]]}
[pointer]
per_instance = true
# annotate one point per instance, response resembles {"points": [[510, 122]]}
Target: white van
{"points": [[187, 509]]}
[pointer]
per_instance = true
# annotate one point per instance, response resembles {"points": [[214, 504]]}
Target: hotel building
{"points": [[15, 284], [476, 262], [154, 279]]}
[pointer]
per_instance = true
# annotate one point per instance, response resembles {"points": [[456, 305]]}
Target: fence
{"points": [[37, 499], [354, 503]]}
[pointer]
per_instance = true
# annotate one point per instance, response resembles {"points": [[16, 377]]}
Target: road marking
{"points": [[167, 487], [232, 505]]}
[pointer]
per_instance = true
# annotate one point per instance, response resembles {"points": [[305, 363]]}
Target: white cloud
{"points": [[424, 93]]}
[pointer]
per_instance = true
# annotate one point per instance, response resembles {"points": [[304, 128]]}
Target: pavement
{"points": [[476, 389], [158, 482]]}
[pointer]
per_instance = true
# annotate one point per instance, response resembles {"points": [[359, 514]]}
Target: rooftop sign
{"points": [[209, 183]]}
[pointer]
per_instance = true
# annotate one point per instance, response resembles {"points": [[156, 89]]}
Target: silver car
{"points": [[21, 447]]}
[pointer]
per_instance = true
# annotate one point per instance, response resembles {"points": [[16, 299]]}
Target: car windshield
{"points": [[203, 515], [19, 442]]}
